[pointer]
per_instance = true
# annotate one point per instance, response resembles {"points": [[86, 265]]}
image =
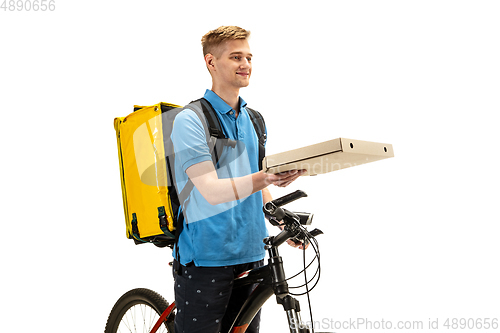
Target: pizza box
{"points": [[327, 156]]}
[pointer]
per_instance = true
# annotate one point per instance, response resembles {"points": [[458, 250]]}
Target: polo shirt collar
{"points": [[219, 104]]}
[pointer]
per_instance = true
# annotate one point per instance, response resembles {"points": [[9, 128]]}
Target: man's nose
{"points": [[245, 64]]}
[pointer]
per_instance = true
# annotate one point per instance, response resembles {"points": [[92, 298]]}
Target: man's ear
{"points": [[209, 61]]}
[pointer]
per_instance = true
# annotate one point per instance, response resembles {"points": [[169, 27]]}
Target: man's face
{"points": [[234, 66]]}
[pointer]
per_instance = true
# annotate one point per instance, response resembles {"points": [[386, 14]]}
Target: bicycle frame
{"points": [[269, 279]]}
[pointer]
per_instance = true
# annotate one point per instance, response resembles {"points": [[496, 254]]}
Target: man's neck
{"points": [[231, 97]]}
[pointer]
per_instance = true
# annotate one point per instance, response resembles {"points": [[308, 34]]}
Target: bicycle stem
{"points": [[275, 263]]}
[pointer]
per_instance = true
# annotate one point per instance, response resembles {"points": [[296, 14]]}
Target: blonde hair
{"points": [[213, 40]]}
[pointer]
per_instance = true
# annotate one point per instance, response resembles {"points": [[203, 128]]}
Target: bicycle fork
{"points": [[280, 287]]}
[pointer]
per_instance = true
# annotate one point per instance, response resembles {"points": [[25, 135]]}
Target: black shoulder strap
{"points": [[260, 129], [214, 132], [213, 122]]}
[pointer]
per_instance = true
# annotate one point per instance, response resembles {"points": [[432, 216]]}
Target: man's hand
{"points": [[284, 179], [300, 245], [290, 242]]}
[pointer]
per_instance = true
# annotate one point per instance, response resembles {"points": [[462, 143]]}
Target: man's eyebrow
{"points": [[239, 52]]}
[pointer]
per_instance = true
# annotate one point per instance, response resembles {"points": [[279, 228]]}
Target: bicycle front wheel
{"points": [[138, 311]]}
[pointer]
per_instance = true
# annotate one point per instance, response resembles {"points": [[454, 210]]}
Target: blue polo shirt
{"points": [[229, 233]]}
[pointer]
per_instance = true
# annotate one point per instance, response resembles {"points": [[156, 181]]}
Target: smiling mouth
{"points": [[242, 74]]}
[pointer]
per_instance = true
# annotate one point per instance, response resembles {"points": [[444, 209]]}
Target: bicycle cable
{"points": [[316, 250], [307, 288], [314, 244]]}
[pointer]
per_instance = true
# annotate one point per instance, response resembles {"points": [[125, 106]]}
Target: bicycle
{"points": [[147, 311]]}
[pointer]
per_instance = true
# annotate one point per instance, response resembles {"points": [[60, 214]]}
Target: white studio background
{"points": [[411, 238]]}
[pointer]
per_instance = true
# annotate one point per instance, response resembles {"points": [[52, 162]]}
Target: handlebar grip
{"points": [[288, 198]]}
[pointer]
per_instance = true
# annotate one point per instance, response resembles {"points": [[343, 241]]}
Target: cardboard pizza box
{"points": [[328, 156]]}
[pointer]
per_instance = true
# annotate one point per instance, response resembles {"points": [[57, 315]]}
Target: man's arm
{"points": [[216, 191], [266, 196]]}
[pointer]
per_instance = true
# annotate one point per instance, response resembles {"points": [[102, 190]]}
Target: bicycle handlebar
{"points": [[292, 220], [288, 198]]}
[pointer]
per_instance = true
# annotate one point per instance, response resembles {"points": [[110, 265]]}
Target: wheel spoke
{"points": [[139, 318]]}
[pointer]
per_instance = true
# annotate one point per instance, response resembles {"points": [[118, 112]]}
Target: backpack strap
{"points": [[260, 128], [215, 133], [214, 125]]}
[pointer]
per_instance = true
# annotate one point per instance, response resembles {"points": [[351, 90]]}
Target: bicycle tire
{"points": [[138, 310]]}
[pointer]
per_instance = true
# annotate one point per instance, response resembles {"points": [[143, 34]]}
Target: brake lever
{"points": [[315, 232], [301, 238]]}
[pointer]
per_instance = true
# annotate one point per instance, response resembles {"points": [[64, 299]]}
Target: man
{"points": [[225, 225]]}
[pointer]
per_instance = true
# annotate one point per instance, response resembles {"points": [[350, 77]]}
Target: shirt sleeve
{"points": [[189, 140]]}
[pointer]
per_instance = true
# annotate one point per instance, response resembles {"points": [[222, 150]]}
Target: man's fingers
{"points": [[289, 177], [284, 179]]}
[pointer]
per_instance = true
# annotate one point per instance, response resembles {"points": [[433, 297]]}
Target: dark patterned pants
{"points": [[205, 298]]}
